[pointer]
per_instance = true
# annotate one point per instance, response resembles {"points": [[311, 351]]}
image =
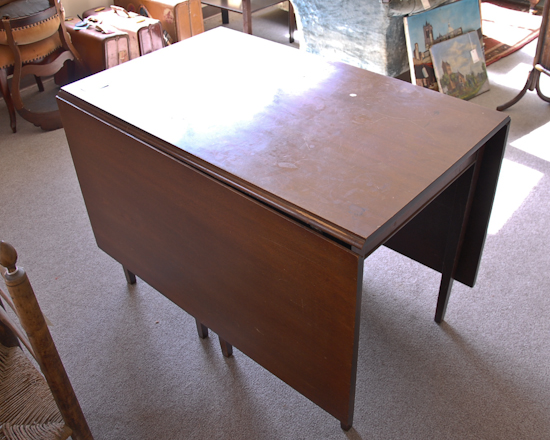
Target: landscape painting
{"points": [[428, 28], [459, 66]]}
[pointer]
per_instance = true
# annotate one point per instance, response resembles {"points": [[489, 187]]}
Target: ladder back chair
{"points": [[32, 405]]}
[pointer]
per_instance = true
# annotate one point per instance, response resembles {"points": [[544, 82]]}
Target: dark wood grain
{"points": [[356, 167], [424, 237], [213, 251], [253, 206]]}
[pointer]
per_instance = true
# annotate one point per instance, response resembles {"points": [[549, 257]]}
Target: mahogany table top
{"points": [[340, 148]]}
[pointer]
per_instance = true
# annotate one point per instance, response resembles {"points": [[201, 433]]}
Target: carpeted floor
{"points": [[141, 372]]}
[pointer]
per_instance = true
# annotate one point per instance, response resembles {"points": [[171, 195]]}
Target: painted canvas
{"points": [[459, 66], [431, 27]]}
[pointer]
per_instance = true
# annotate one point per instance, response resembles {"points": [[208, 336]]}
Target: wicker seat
{"points": [[32, 405]]}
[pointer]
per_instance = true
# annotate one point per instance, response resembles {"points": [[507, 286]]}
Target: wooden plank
{"points": [[280, 292]]}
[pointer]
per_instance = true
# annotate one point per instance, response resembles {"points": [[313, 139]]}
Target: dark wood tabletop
{"points": [[341, 148]]}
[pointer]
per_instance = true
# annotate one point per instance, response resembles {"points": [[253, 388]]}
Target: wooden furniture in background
{"points": [[36, 44], [99, 50], [247, 8], [145, 34], [32, 406], [253, 207], [541, 63], [180, 18]]}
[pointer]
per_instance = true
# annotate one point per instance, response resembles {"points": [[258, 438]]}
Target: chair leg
{"points": [[539, 92], [7, 98], [39, 83], [529, 85], [50, 120]]}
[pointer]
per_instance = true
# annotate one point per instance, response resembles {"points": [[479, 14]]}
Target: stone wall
{"points": [[364, 33]]}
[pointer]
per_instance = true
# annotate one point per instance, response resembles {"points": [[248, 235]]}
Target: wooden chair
{"points": [[34, 44], [32, 405], [541, 62]]}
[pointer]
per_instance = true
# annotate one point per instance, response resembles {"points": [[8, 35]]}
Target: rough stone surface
{"points": [[364, 33]]}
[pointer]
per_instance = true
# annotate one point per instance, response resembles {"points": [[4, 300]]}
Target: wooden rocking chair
{"points": [[32, 405], [35, 44]]}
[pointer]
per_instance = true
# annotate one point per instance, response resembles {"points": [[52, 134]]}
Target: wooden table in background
{"points": [[248, 181], [247, 7]]}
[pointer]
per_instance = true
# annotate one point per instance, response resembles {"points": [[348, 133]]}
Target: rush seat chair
{"points": [[33, 405]]}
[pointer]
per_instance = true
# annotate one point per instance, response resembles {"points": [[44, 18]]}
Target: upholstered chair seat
{"points": [[30, 53]]}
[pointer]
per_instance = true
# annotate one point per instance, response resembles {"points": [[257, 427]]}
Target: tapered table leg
{"points": [[247, 17], [225, 16], [227, 348], [291, 22], [345, 427], [202, 330], [130, 277], [463, 188]]}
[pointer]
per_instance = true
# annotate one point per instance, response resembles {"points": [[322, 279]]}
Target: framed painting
{"points": [[459, 66], [424, 30]]}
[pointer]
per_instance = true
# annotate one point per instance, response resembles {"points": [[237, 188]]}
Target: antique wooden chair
{"points": [[32, 405], [541, 62], [33, 41]]}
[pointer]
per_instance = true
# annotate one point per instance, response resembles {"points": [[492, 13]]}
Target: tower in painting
{"points": [[428, 35]]}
